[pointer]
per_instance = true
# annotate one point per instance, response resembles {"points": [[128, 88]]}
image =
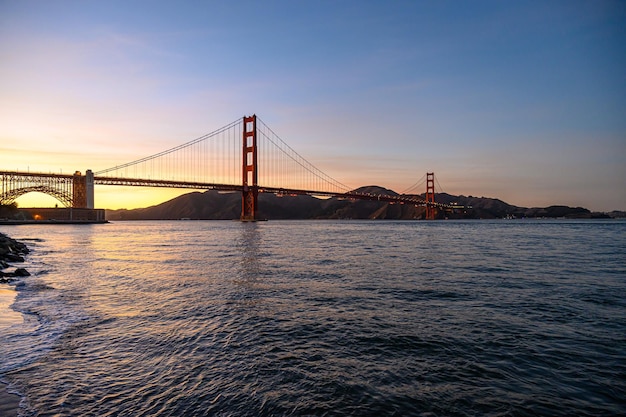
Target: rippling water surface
{"points": [[321, 318]]}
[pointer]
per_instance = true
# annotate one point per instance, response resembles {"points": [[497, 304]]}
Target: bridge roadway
{"points": [[402, 199], [65, 180]]}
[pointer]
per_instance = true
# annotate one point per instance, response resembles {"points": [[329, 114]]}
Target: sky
{"points": [[523, 101]]}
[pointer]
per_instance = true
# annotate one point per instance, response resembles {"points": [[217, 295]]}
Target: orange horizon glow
{"points": [[105, 198]]}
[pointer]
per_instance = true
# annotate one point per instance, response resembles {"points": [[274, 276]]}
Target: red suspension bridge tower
{"points": [[430, 196], [250, 191]]}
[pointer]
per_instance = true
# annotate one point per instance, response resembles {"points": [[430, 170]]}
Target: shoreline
{"points": [[9, 402], [11, 251], [8, 316]]}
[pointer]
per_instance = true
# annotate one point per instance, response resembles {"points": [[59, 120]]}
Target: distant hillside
{"points": [[492, 208], [214, 205]]}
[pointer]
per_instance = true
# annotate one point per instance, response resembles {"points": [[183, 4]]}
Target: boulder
{"points": [[21, 272]]}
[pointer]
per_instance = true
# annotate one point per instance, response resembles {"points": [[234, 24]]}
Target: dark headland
{"points": [[214, 205]]}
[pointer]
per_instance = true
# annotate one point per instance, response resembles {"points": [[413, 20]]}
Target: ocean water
{"points": [[321, 318]]}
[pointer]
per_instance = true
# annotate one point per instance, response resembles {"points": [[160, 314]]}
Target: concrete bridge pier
{"points": [[89, 187], [83, 190]]}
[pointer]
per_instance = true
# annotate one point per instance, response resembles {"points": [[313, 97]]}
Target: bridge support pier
{"points": [[79, 191], [82, 190], [89, 189], [250, 190]]}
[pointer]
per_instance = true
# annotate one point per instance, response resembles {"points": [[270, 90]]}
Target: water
{"points": [[494, 318]]}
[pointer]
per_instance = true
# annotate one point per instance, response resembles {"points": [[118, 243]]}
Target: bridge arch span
{"points": [[12, 195]]}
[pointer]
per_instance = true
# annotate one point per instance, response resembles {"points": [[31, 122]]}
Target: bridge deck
{"points": [[405, 199], [143, 182]]}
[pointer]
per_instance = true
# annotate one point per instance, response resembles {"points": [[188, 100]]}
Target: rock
{"points": [[11, 257], [11, 251], [21, 272]]}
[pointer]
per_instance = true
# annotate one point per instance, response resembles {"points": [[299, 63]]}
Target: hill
{"points": [[214, 205]]}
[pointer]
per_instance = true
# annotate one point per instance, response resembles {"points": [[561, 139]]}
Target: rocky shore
{"points": [[11, 251]]}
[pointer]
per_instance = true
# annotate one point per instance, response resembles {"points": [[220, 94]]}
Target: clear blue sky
{"points": [[522, 101]]}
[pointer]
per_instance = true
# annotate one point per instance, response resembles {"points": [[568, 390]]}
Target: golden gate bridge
{"points": [[244, 156]]}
